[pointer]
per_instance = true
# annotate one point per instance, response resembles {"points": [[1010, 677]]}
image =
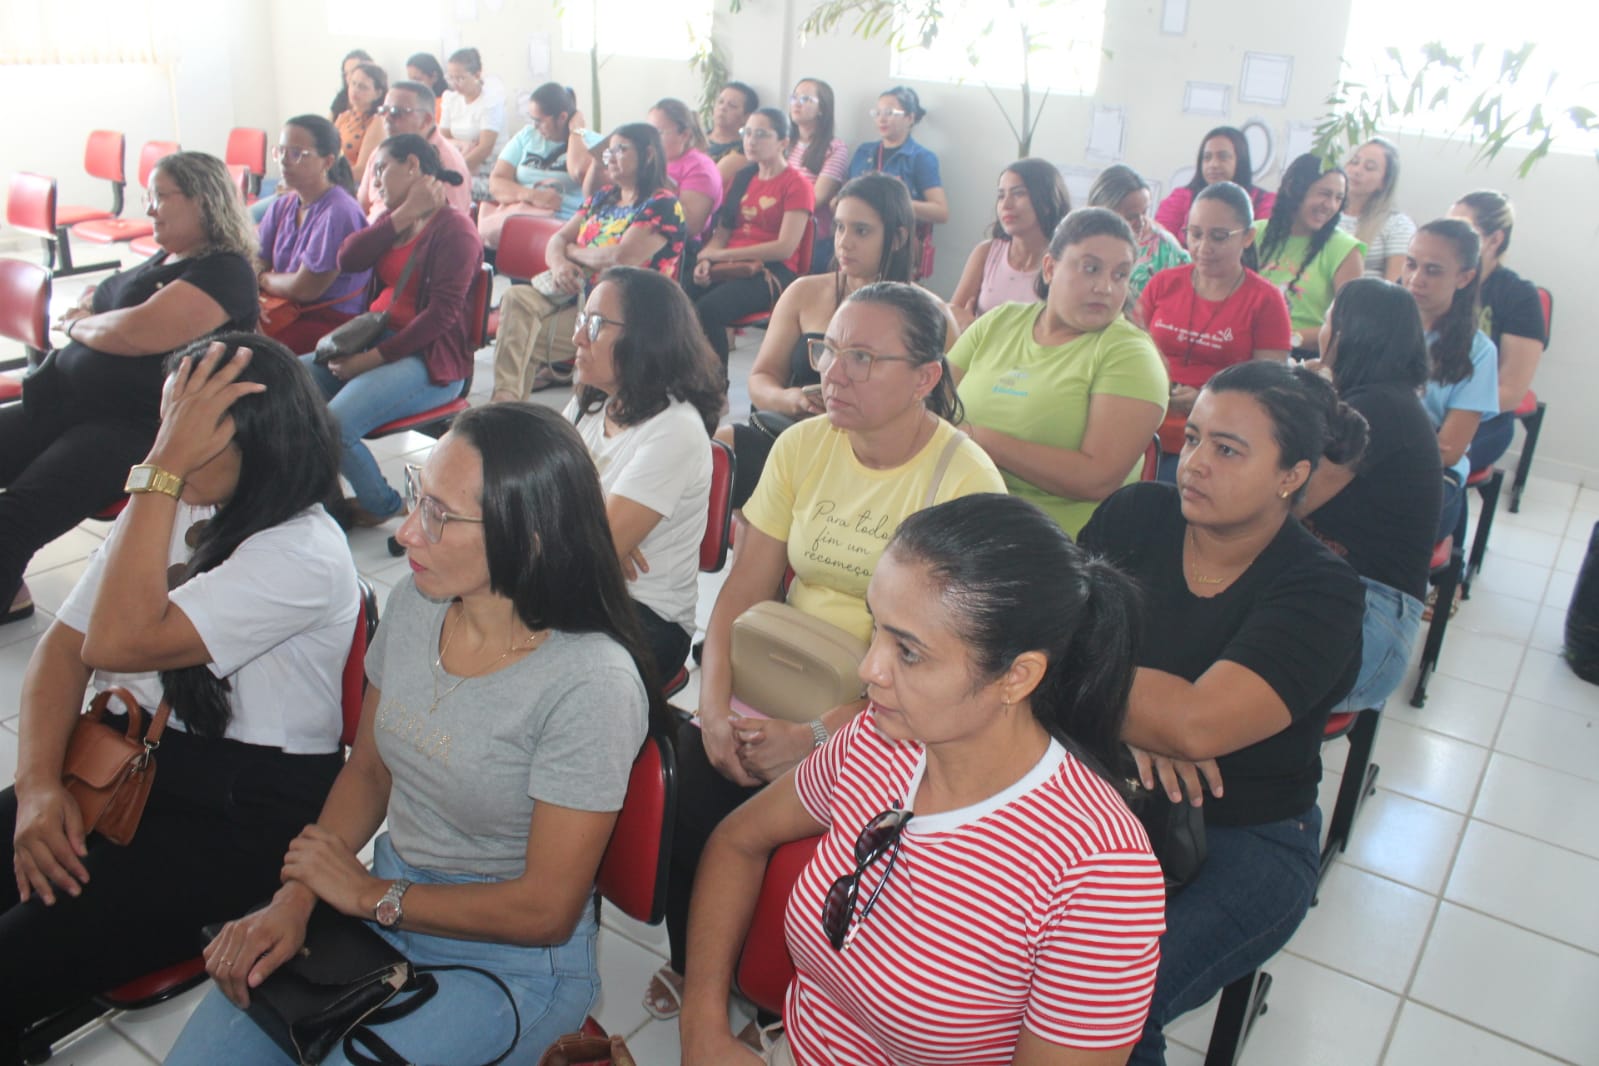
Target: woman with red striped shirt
{"points": [[981, 893]]}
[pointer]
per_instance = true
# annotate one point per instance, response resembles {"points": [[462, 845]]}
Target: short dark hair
{"points": [[752, 99], [665, 358], [1243, 170], [891, 199], [288, 462], [1380, 341], [1014, 582], [425, 96], [1045, 188], [1079, 226], [924, 329], [1308, 419], [545, 533]]}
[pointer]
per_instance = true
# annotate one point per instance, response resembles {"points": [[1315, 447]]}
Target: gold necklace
{"points": [[1193, 566], [533, 641]]}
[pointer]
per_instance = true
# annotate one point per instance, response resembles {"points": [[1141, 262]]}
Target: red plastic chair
{"points": [[633, 870], [112, 230], [435, 420], [717, 538], [31, 208], [1151, 460], [24, 318], [102, 158], [521, 252], [247, 147], [764, 966]]}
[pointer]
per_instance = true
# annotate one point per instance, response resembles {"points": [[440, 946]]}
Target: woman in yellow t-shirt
{"points": [[831, 495], [1065, 395]]}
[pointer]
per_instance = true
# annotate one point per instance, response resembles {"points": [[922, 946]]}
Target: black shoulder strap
{"points": [[363, 1047]]}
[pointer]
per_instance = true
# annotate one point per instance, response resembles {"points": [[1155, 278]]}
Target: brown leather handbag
{"points": [[575, 1048], [108, 773]]}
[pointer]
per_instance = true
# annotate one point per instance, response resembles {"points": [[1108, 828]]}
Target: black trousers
{"points": [[209, 848], [668, 642], [722, 304], [58, 466]]}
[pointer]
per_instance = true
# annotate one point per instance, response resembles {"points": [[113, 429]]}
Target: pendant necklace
{"points": [[529, 644], [1193, 567]]}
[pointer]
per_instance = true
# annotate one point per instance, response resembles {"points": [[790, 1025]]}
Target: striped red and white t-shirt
{"points": [[1041, 906]]}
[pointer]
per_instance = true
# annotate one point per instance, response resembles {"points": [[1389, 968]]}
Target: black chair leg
{"points": [[1533, 425], [1489, 490], [1447, 581], [1241, 1003], [1359, 781]]}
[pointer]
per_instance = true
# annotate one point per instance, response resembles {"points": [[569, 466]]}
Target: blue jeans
{"points": [[469, 1020], [1491, 439], [1254, 890], [363, 403], [1388, 631]]}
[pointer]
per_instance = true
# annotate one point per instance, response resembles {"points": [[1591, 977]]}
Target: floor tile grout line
{"points": [[1541, 1052]]}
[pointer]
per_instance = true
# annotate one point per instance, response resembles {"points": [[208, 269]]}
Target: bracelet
{"points": [[67, 329], [819, 732]]}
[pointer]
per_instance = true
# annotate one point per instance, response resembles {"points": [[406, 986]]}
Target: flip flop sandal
{"points": [[663, 1000]]}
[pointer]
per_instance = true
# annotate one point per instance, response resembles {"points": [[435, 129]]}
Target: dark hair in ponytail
{"points": [[1014, 582], [403, 146], [288, 461], [924, 329], [1233, 196], [1309, 421], [1457, 327], [327, 144], [555, 99]]}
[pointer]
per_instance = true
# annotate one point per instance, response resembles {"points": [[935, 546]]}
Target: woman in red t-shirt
{"points": [[762, 222], [1207, 315]]}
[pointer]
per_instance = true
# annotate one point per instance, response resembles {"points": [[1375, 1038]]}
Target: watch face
{"points": [[388, 912], [139, 477]]}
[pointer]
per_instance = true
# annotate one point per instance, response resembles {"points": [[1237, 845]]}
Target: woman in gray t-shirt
{"points": [[509, 695]]}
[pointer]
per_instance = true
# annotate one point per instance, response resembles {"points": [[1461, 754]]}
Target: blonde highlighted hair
{"points": [[203, 179]]}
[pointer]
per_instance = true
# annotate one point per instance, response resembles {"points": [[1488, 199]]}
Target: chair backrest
{"points": [[719, 516], [522, 244], [31, 204], [25, 304], [151, 154], [247, 148], [632, 874], [353, 693], [241, 179], [1151, 460], [1547, 301], [479, 297], [103, 155], [807, 248], [764, 966]]}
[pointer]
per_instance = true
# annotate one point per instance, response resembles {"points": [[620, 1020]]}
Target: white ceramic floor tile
{"points": [[1494, 614], [26, 631], [1455, 708], [1404, 839], [1485, 660], [100, 1045], [1428, 766], [657, 1044], [1573, 550], [1318, 1017], [1537, 802], [1540, 515], [1551, 736], [1549, 630], [1558, 592], [1527, 883], [1512, 577], [1580, 526], [50, 587], [1424, 1036], [1548, 678], [1512, 542], [71, 546], [650, 937], [1365, 926], [1527, 987], [155, 1029], [625, 970]]}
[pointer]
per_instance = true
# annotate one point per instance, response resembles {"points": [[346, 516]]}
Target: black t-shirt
{"points": [[1384, 521], [1293, 618], [130, 386], [1510, 305]]}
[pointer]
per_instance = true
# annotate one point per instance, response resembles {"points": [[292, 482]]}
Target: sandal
{"points": [[663, 998], [1432, 602], [21, 606], [550, 375]]}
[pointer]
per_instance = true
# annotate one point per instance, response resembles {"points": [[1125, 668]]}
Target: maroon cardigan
{"points": [[451, 255]]}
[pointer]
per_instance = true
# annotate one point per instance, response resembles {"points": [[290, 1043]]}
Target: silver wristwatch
{"points": [[388, 912]]}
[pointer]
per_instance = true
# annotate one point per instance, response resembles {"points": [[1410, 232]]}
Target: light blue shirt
{"points": [[1479, 392], [543, 162]]}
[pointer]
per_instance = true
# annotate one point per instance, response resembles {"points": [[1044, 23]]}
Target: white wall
{"points": [[253, 62]]}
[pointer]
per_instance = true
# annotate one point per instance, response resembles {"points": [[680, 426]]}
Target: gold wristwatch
{"points": [[150, 478]]}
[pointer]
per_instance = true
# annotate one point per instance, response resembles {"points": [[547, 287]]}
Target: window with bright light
{"points": [[650, 29], [1555, 76], [77, 31], [1061, 40]]}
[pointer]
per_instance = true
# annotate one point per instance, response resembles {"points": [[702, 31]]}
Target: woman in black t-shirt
{"points": [[1251, 634], [92, 409], [1382, 514]]}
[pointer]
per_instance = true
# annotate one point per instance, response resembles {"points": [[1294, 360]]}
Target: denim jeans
{"points": [[1387, 633], [1254, 890], [363, 403], [469, 1020], [1491, 439]]}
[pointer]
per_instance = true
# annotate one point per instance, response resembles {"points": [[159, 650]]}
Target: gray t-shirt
{"points": [[562, 725]]}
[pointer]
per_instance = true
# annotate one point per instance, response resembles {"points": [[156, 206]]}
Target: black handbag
{"points": [[338, 986], [362, 331], [1176, 833]]}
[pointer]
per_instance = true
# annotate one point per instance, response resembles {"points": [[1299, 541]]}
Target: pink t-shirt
{"points": [[1002, 283], [1040, 907], [835, 166], [693, 171]]}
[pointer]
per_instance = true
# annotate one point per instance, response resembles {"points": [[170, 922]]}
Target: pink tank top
{"points": [[1001, 283]]}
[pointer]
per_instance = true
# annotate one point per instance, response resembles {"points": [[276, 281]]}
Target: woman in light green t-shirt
{"points": [[1303, 252], [1065, 396]]}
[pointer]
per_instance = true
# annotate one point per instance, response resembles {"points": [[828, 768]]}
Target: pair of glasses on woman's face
{"points": [[882, 834], [590, 323], [1214, 236], [613, 155], [803, 99], [887, 112], [756, 133], [285, 154], [434, 516], [857, 362], [398, 112]]}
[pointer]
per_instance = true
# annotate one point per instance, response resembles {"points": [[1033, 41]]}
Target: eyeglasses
{"points": [[887, 112], [804, 98], [434, 516], [591, 322], [838, 910], [756, 133], [398, 112], [1214, 236], [611, 155], [283, 153], [857, 362]]}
